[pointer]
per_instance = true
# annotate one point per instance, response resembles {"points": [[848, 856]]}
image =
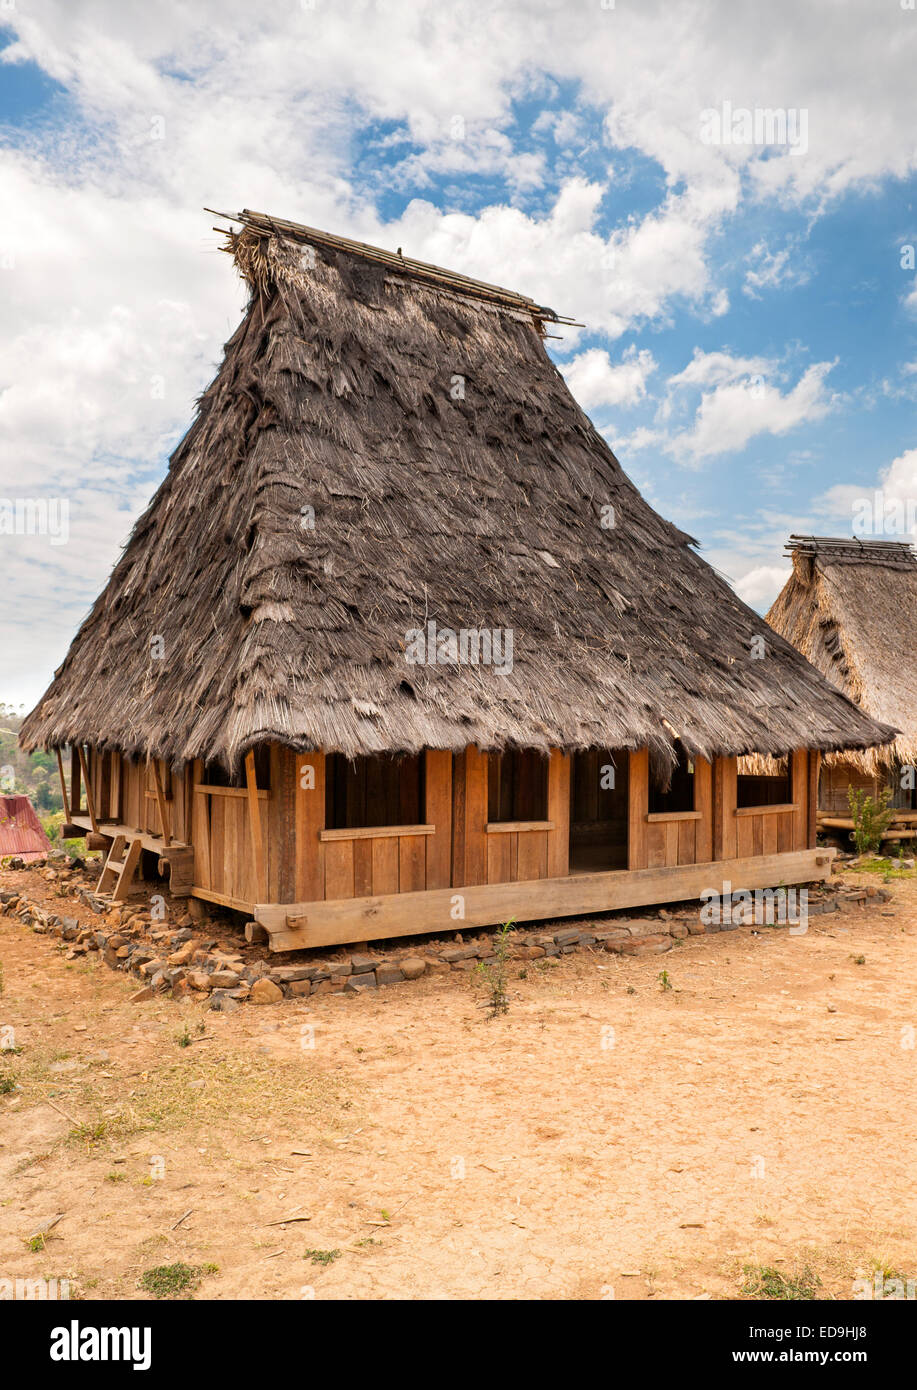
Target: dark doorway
{"points": [[598, 810]]}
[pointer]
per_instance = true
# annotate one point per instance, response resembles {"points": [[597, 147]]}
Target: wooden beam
{"points": [[161, 803], [89, 800], [725, 772], [63, 785], [254, 817], [305, 925]]}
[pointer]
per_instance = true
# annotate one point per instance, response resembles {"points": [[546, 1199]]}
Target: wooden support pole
{"points": [[89, 802], [75, 794], [63, 786], [161, 802], [254, 816]]}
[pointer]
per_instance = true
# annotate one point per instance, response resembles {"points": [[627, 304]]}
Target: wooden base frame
{"points": [[304, 926]]}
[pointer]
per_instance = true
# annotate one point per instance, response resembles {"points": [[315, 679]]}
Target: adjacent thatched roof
{"points": [[850, 606], [453, 479]]}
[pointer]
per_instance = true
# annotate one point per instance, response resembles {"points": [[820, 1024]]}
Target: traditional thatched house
{"points": [[397, 644], [850, 606]]}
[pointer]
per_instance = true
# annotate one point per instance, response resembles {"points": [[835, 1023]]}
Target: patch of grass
{"points": [[115, 1176], [184, 1038], [35, 1243], [322, 1257], [174, 1281], [858, 960], [7, 1083], [763, 1281]]}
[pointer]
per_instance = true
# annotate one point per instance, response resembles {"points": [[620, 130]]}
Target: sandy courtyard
{"points": [[606, 1138]]}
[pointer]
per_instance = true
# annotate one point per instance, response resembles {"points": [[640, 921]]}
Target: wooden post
{"points": [[89, 802], [254, 817], [63, 786], [812, 797], [559, 813], [725, 773], [75, 794], [638, 804], [161, 803]]}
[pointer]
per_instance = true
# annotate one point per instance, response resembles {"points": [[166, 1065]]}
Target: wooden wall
{"points": [[452, 846]]}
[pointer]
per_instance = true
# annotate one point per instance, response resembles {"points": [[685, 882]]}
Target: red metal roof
{"points": [[21, 833]]}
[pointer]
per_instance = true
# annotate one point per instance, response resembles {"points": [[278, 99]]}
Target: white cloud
{"points": [[741, 406], [596, 381], [773, 270], [116, 302]]}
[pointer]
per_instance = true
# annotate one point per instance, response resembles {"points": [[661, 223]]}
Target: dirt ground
{"points": [[606, 1138]]}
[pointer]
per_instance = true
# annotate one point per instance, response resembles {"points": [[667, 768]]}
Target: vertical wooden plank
{"points": [[217, 843], [114, 788], [638, 802], [362, 868], [338, 869], [164, 826], [687, 841], [757, 845], [654, 843], [458, 819], [475, 815], [438, 812], [90, 800], [769, 834], [514, 857], [385, 866], [558, 865], [498, 859], [412, 862], [281, 824], [200, 828], [310, 819], [799, 795], [812, 771], [785, 828], [745, 837], [703, 802], [532, 855], [724, 808], [259, 862], [671, 843]]}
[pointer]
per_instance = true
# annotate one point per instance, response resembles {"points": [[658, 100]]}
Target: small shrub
{"points": [[7, 1083], [871, 818], [322, 1257], [494, 973]]}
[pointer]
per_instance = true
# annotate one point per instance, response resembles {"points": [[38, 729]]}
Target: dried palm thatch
{"points": [[850, 606], [453, 479]]}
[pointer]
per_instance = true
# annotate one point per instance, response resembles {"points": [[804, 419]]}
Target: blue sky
{"points": [[750, 348]]}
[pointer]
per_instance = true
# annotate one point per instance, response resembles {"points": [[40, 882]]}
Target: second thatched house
{"points": [[850, 606], [397, 644]]}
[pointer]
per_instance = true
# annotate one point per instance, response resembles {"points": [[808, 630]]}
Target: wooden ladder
{"points": [[120, 868]]}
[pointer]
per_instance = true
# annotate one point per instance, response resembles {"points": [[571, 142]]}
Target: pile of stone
{"points": [[174, 958]]}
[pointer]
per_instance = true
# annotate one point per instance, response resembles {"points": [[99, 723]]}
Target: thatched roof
{"points": [[850, 606], [453, 479]]}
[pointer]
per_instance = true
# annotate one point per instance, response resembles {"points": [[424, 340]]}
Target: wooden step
{"points": [[120, 867]]}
